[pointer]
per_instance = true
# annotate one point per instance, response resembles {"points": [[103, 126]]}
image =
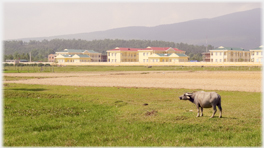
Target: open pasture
{"points": [[56, 115]]}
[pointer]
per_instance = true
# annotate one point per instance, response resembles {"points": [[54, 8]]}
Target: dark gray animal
{"points": [[204, 100]]}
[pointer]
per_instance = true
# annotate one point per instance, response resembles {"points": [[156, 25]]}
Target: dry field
{"points": [[249, 81]]}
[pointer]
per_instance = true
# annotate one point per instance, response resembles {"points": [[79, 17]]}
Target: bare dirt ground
{"points": [[249, 81]]}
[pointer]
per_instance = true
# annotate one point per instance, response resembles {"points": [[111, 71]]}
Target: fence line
{"points": [[149, 63]]}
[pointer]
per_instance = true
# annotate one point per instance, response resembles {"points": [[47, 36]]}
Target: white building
{"points": [[256, 54], [229, 54]]}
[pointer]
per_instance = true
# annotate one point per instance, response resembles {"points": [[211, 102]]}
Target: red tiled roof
{"points": [[163, 48], [136, 49], [126, 49]]}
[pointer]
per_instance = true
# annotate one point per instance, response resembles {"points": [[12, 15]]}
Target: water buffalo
{"points": [[204, 100]]}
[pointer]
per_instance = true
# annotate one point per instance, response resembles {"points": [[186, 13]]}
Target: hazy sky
{"points": [[27, 19]]}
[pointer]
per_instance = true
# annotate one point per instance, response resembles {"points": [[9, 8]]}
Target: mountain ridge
{"points": [[239, 29]]}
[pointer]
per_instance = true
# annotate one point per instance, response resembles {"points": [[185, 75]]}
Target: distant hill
{"points": [[240, 29]]}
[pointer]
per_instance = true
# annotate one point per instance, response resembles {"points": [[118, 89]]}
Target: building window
{"points": [[143, 60], [146, 60], [143, 53], [156, 60], [220, 53], [220, 60], [215, 60], [147, 53]]}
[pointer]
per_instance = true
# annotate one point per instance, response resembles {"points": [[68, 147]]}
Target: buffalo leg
{"points": [[214, 108], [220, 109], [198, 111], [201, 112]]}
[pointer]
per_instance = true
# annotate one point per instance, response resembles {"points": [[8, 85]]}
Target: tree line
{"points": [[40, 50]]}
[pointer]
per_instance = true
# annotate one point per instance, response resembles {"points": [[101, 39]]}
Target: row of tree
{"points": [[40, 50]]}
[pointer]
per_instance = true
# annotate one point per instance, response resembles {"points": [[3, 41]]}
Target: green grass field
{"points": [[34, 69], [40, 115]]}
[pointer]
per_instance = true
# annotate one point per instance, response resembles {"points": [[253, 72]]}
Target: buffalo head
{"points": [[185, 96]]}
